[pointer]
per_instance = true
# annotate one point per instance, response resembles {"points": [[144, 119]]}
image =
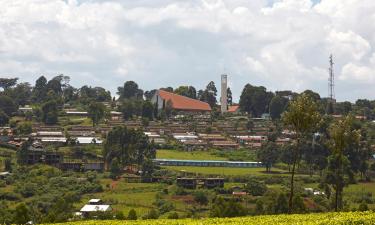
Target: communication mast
{"points": [[331, 80]]}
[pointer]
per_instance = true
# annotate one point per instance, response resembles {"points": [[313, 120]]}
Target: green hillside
{"points": [[318, 218]]}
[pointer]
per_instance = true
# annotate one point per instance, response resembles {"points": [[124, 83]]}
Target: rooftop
{"points": [[180, 102]]}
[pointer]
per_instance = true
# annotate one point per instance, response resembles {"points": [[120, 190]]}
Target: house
{"points": [[94, 205], [179, 102]]}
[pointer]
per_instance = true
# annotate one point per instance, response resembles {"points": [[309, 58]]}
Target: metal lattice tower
{"points": [[331, 80]]}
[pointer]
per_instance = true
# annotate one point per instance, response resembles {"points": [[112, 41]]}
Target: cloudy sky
{"points": [[282, 44]]}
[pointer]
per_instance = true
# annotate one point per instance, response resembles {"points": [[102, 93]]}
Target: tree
{"points": [[20, 94], [268, 155], [255, 187], [226, 208], [302, 117], [7, 105], [55, 86], [24, 128], [128, 146], [188, 91], [96, 112], [255, 100], [115, 170], [21, 214], [132, 215], [40, 89], [229, 96], [209, 94], [4, 118], [150, 94], [6, 83], [342, 135], [281, 205], [148, 110], [130, 90], [50, 112], [200, 197], [277, 106]]}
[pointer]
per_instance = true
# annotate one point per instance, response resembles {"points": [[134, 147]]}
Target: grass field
{"points": [[125, 196], [197, 155], [225, 170], [363, 218]]}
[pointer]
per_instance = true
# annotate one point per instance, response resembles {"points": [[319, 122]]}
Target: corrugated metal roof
{"points": [[95, 208]]}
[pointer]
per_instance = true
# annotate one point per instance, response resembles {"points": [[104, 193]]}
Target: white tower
{"points": [[223, 99]]}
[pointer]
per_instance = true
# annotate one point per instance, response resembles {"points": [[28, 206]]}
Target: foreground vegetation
{"points": [[319, 218]]}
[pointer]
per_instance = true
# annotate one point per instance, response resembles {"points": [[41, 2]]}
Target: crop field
{"points": [[363, 218]]}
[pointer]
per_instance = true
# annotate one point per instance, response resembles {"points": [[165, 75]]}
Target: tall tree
{"points": [[96, 112], [229, 96], [268, 155], [55, 86], [255, 100], [50, 112], [4, 118], [342, 135], [302, 117], [148, 110], [6, 83], [130, 90], [128, 146], [277, 106], [40, 89], [209, 94], [7, 105]]}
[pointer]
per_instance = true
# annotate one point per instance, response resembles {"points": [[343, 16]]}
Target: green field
{"points": [[125, 196], [363, 218], [197, 155], [225, 170]]}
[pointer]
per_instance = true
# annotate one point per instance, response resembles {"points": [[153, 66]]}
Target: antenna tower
{"points": [[331, 80]]}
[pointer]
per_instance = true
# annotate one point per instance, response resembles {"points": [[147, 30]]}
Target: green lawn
{"points": [[125, 196], [225, 170], [197, 155]]}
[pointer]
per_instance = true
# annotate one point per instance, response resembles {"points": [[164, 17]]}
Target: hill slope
{"points": [[362, 218]]}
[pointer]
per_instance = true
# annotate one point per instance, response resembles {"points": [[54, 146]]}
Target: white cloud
{"points": [[284, 45]]}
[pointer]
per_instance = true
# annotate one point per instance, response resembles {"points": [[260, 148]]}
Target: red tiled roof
{"points": [[180, 102], [233, 108]]}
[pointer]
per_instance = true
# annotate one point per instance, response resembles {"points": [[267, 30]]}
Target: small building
{"points": [[4, 175], [213, 182], [189, 183], [94, 205]]}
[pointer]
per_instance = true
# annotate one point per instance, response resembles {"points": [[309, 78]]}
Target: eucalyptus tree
{"points": [[302, 117]]}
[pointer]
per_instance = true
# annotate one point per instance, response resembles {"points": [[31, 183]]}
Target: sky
{"points": [[279, 44]]}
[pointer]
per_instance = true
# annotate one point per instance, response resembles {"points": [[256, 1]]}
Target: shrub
{"points": [[256, 188], [173, 215], [132, 215]]}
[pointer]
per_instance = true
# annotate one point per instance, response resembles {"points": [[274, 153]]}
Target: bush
{"points": [[200, 197], [363, 207], [173, 215], [152, 214], [132, 215], [256, 188]]}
